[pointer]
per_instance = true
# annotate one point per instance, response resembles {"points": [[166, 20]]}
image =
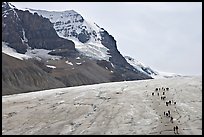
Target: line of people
{"points": [[168, 113]]}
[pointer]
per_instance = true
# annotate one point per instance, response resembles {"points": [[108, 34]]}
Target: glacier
{"points": [[117, 108]]}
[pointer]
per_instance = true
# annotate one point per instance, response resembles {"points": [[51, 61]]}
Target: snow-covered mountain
{"points": [[85, 34], [87, 37], [61, 45], [149, 71]]}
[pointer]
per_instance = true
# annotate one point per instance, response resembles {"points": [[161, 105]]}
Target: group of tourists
{"points": [[167, 103]]}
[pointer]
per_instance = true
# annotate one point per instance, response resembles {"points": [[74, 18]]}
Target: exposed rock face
{"points": [[109, 42], [128, 72], [31, 30], [40, 32], [12, 30], [84, 36]]}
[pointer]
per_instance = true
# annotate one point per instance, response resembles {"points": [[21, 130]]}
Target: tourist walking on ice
{"points": [[177, 129], [171, 120]]}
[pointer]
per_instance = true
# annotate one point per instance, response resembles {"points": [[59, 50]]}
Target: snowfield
{"points": [[110, 108], [92, 49], [12, 52], [31, 53]]}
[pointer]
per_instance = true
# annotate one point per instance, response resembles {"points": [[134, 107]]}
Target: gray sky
{"points": [[165, 36]]}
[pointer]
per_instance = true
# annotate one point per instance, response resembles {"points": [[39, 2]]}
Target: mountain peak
{"points": [[7, 5], [71, 11], [70, 24]]}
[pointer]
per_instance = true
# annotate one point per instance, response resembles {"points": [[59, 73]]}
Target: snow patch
{"points": [[31, 53], [96, 51], [12, 52], [112, 65], [61, 102], [50, 66], [78, 58], [78, 63], [41, 54], [70, 63], [24, 37]]}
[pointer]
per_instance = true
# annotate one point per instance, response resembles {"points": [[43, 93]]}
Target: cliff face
{"points": [[40, 32], [12, 29], [22, 29]]}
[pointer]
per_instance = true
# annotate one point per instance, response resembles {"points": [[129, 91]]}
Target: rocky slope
{"points": [[24, 76]]}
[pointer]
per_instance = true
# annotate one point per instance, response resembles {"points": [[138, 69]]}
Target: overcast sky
{"points": [[165, 36]]}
